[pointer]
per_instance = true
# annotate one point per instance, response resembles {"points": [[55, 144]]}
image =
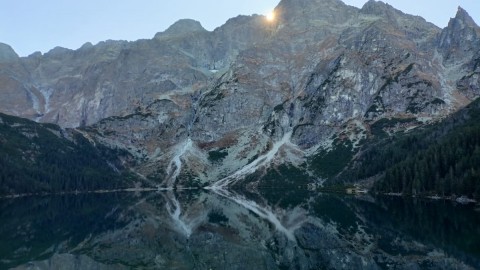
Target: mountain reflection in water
{"points": [[220, 229]]}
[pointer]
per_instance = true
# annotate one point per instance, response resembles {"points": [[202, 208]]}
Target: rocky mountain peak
{"points": [[182, 27], [36, 54], [86, 46], [463, 18], [461, 32], [7, 54], [380, 8], [321, 69], [330, 11], [295, 5], [57, 51]]}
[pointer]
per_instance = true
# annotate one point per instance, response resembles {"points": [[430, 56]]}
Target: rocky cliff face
{"points": [[202, 106], [78, 88]]}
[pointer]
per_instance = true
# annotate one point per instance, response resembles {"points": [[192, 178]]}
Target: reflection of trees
{"points": [[36, 227], [440, 224], [176, 225]]}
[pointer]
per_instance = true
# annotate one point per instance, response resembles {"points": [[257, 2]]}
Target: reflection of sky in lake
{"points": [[226, 229]]}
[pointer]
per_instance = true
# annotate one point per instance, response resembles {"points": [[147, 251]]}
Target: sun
{"points": [[270, 16]]}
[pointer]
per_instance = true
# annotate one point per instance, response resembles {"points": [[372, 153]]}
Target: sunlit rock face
{"points": [[235, 92]]}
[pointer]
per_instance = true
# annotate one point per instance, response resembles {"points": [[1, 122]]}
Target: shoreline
{"points": [[464, 200], [99, 191]]}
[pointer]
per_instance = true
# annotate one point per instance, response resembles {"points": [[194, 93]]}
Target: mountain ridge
{"points": [[368, 3], [204, 106]]}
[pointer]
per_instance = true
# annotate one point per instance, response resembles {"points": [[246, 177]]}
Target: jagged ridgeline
{"points": [[45, 158], [318, 95]]}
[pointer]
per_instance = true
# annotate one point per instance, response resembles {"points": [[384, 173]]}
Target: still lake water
{"points": [[269, 229]]}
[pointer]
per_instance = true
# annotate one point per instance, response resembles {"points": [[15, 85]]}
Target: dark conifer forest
{"points": [[441, 159], [44, 158]]}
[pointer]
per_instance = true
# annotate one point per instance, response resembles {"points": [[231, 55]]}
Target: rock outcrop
{"points": [[7, 54]]}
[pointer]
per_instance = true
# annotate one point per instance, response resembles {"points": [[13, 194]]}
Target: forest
{"points": [[440, 159], [45, 158]]}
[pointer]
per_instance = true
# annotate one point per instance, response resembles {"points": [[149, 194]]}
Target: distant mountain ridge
{"points": [[209, 108]]}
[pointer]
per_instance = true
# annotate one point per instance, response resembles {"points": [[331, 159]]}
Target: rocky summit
{"points": [[209, 108]]}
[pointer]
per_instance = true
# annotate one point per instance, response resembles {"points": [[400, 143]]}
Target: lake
{"points": [[266, 229]]}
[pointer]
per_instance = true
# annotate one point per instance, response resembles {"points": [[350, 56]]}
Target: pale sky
{"points": [[34, 25]]}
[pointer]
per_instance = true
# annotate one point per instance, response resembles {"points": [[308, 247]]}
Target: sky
{"points": [[33, 25]]}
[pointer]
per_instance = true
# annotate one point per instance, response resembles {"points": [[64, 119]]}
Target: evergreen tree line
{"points": [[33, 159], [451, 166], [442, 159]]}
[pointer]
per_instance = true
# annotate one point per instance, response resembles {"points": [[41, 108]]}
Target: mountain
{"points": [[437, 159], [204, 108], [7, 54]]}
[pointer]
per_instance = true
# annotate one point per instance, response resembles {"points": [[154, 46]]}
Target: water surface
{"points": [[266, 229]]}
